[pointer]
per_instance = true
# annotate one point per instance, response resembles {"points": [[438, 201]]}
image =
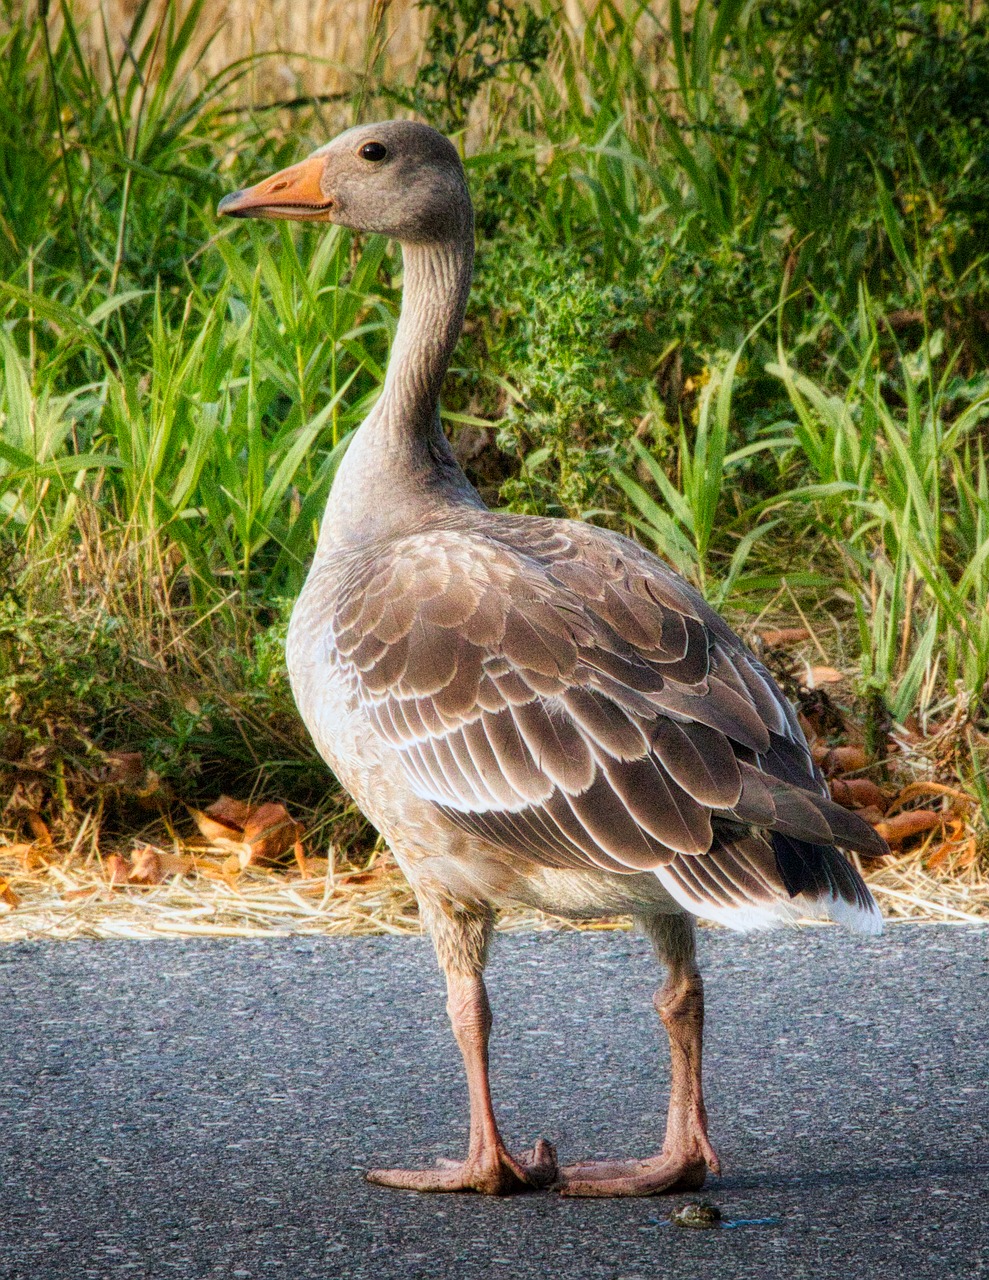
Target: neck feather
{"points": [[399, 466]]}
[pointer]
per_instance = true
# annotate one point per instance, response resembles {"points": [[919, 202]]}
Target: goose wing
{"points": [[554, 689]]}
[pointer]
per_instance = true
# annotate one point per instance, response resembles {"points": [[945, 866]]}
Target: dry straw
{"points": [[315, 48], [69, 897]]}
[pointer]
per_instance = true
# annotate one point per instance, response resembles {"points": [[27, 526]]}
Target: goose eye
{"points": [[373, 151]]}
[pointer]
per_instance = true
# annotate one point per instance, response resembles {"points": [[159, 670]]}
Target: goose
{"points": [[534, 711]]}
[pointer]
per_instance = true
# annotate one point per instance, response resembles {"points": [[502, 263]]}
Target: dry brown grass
{"points": [[84, 892], [311, 48], [69, 897], [336, 52]]}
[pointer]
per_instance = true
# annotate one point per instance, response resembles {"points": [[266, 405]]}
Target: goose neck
{"points": [[436, 284], [399, 467]]}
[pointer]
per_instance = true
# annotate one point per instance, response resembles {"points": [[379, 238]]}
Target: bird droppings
{"points": [[702, 1215], [699, 1216]]}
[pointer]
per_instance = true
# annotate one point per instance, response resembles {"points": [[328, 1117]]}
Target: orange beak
{"points": [[292, 193]]}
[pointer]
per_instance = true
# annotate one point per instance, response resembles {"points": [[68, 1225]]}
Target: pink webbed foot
{"points": [[492, 1172], [687, 1153], [673, 1171]]}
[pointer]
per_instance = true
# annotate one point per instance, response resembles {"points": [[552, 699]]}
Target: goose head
{"points": [[399, 178]]}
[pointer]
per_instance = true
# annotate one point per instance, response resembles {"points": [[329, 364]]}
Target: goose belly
{"points": [[337, 724]]}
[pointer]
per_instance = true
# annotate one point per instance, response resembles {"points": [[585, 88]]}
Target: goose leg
{"points": [[461, 940], [687, 1153]]}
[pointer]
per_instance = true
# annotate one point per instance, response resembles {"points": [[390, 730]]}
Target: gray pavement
{"points": [[205, 1109]]}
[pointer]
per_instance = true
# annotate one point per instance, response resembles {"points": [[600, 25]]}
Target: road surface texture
{"points": [[205, 1109]]}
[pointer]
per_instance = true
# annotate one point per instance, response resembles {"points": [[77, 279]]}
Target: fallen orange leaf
{"points": [[7, 895], [223, 820], [116, 869], [924, 788], [816, 676], [38, 829], [271, 833], [848, 759], [146, 867], [905, 825], [784, 636], [858, 793], [258, 835], [938, 856]]}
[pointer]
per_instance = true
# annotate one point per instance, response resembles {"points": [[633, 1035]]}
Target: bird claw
{"points": [[493, 1173]]}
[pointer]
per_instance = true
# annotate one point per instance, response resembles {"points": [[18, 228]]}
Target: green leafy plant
{"points": [[470, 44]]}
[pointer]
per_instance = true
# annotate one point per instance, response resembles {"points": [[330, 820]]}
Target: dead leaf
{"points": [[870, 814], [783, 636], [146, 867], [906, 825], [224, 819], [938, 856], [122, 768], [925, 788], [858, 793], [847, 759], [816, 676], [29, 857], [7, 896], [39, 830], [259, 835], [271, 833], [234, 813], [116, 869], [810, 733], [175, 864]]}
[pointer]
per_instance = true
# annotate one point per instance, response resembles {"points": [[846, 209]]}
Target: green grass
{"points": [[732, 294]]}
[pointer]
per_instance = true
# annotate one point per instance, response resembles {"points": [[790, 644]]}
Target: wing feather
{"points": [[556, 691], [658, 806], [700, 760]]}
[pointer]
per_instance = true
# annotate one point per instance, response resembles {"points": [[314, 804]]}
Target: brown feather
{"points": [[661, 808], [719, 708], [571, 701], [557, 745], [614, 830], [606, 725], [700, 760]]}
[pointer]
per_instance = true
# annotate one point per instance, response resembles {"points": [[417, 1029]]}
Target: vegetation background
{"points": [[732, 295]]}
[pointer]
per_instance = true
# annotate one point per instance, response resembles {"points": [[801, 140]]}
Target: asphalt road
{"points": [[205, 1109]]}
